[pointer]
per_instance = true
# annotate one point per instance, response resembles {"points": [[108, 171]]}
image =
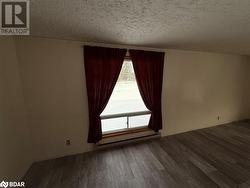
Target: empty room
{"points": [[125, 93]]}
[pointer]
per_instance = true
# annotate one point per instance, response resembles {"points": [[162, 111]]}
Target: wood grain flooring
{"points": [[212, 157]]}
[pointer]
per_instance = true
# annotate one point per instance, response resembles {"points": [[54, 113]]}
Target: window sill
{"points": [[125, 131], [123, 136]]}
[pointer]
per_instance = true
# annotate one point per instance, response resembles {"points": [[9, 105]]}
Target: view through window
{"points": [[125, 108]]}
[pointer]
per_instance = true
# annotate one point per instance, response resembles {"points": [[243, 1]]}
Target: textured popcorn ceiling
{"points": [[213, 25]]}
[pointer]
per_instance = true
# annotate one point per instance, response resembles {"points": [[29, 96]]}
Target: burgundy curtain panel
{"points": [[102, 68], [148, 67]]}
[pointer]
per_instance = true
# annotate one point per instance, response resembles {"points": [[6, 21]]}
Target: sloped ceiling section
{"points": [[212, 25]]}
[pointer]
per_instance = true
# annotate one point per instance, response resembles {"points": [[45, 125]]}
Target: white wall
{"points": [[55, 93], [16, 156], [197, 88]]}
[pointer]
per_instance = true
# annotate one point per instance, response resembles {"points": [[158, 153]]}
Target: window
{"points": [[125, 108]]}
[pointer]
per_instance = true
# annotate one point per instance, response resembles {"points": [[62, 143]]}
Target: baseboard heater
{"points": [[128, 140]]}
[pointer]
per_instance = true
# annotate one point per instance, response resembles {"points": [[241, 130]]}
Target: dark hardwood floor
{"points": [[212, 157]]}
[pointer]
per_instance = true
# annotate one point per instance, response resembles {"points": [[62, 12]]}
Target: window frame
{"points": [[128, 115]]}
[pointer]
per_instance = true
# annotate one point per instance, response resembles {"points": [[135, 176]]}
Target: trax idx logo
{"points": [[6, 184], [15, 17]]}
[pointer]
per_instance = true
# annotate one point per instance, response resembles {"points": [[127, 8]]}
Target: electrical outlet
{"points": [[68, 142]]}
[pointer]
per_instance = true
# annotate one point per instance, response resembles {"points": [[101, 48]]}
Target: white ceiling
{"points": [[211, 25]]}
